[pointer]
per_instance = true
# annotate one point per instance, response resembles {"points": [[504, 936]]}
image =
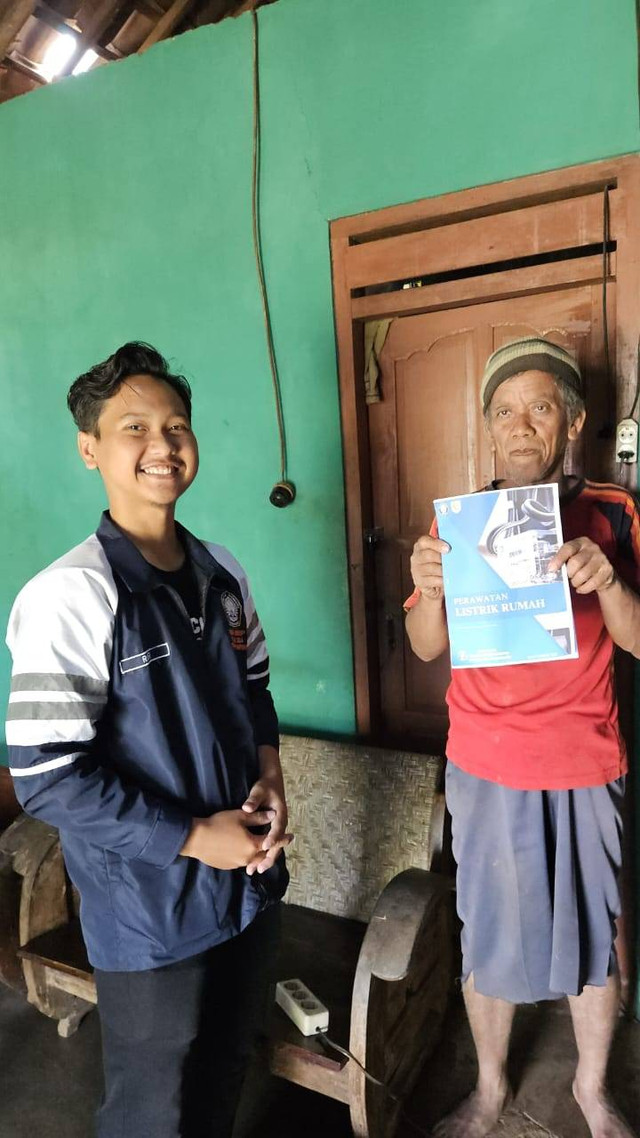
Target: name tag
{"points": [[143, 659]]}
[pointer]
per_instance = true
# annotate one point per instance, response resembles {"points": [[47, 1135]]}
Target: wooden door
{"points": [[427, 439]]}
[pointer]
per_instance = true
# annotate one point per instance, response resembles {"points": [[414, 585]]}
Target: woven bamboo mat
{"points": [[360, 816]]}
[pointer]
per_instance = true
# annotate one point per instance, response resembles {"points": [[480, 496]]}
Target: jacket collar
{"points": [[137, 573]]}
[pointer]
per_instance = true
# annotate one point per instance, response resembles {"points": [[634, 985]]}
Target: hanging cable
{"points": [[283, 492], [638, 33], [608, 428], [637, 391], [322, 1035]]}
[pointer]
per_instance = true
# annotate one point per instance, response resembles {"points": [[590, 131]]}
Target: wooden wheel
{"points": [[400, 995], [35, 897]]}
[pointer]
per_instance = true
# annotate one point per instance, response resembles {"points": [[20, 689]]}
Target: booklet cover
{"points": [[503, 604]]}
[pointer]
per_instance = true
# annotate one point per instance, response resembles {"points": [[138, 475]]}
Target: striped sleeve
{"points": [[264, 714], [60, 637], [265, 718], [628, 537], [621, 510], [257, 654]]}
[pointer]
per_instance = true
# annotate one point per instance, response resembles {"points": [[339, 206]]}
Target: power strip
{"points": [[302, 1007]]}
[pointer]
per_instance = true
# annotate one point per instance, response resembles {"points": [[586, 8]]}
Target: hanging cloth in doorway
{"points": [[375, 335]]}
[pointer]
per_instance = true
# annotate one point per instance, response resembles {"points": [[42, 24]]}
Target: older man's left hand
{"points": [[588, 569]]}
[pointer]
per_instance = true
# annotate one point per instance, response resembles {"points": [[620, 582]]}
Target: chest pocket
{"points": [[144, 659]]}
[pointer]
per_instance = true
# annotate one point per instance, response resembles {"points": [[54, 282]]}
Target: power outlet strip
{"points": [[302, 1007]]}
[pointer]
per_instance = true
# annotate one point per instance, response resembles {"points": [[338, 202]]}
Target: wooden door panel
{"points": [[427, 440]]}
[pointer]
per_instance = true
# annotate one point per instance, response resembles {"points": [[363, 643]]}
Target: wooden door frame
{"points": [[471, 227]]}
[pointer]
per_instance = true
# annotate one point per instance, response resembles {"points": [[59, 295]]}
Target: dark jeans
{"points": [[176, 1040]]}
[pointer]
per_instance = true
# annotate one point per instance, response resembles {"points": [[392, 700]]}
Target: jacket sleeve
{"points": [[60, 637], [264, 713], [625, 522]]}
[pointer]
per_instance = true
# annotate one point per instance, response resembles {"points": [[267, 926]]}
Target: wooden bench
{"points": [[367, 926]]}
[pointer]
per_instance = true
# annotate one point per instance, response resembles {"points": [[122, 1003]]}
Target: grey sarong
{"points": [[537, 885]]}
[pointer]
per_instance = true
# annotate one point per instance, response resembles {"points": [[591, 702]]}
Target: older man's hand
{"points": [[588, 568], [426, 566]]}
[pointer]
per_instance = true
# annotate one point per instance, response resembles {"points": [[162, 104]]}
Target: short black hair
{"points": [[89, 392]]}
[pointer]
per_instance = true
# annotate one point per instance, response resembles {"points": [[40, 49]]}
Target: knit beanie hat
{"points": [[531, 354]]}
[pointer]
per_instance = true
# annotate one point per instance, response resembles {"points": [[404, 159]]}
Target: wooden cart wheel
{"points": [[35, 897], [400, 995]]}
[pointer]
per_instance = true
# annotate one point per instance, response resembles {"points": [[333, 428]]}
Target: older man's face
{"points": [[529, 428]]}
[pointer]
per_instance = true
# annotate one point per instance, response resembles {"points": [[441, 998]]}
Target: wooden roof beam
{"points": [[13, 15], [63, 24], [150, 8], [53, 19], [166, 24], [25, 67]]}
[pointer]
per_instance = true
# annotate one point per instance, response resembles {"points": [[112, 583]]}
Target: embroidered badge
{"points": [[232, 609]]}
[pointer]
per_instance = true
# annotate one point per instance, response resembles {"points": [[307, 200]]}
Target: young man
{"points": [[141, 725], [536, 767]]}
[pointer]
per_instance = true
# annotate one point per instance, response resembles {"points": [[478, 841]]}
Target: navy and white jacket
{"points": [[122, 727]]}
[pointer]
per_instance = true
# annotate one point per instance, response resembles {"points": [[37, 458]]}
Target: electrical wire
{"points": [[638, 30], [637, 392], [372, 1079], [607, 430], [257, 245]]}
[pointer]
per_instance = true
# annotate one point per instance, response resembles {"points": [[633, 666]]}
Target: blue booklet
{"points": [[503, 604]]}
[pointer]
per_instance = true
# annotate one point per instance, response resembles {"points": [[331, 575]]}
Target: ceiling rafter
{"points": [[112, 29], [65, 23], [16, 63], [13, 15], [167, 23]]}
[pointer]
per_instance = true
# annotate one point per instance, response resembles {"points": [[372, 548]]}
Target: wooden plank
{"points": [[493, 286], [54, 19], [166, 24], [150, 8], [14, 82], [481, 241], [480, 201], [358, 490], [72, 985], [628, 291], [13, 14], [326, 1080], [23, 67], [61, 948]]}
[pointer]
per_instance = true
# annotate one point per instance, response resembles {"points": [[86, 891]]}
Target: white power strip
{"points": [[302, 1007]]}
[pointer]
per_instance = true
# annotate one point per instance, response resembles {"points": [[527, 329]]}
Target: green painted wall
{"points": [[125, 213]]}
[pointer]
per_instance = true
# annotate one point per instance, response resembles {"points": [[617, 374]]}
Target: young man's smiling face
{"points": [[144, 447], [529, 428]]}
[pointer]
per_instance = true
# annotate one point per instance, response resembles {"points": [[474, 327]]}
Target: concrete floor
{"points": [[49, 1086]]}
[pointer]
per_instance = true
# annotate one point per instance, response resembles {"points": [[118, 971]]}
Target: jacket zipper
{"points": [[203, 593]]}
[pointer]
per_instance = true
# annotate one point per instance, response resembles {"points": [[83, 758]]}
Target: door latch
{"points": [[374, 536]]}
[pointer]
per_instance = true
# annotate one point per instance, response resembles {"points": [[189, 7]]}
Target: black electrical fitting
{"points": [[283, 494]]}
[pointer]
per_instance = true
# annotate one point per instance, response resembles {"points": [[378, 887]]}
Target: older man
{"points": [[535, 777]]}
